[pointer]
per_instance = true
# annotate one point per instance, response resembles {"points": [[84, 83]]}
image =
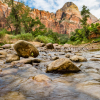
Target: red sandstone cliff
{"points": [[64, 21]]}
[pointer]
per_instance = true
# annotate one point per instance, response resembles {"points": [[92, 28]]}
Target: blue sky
{"points": [[54, 5]]}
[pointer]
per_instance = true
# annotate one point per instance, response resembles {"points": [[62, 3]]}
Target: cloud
{"points": [[54, 5]]}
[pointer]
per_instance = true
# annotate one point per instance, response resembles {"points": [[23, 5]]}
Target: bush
{"points": [[23, 36], [63, 38], [44, 39], [2, 33]]}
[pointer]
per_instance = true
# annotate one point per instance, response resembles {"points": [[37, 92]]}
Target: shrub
{"points": [[2, 33], [25, 36], [44, 39]]}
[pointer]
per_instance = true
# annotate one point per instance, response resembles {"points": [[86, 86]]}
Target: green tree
{"points": [[85, 15]]}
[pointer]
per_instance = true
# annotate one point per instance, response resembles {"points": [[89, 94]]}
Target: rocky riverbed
{"points": [[28, 78]]}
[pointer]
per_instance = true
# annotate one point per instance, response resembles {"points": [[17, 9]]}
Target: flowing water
{"points": [[16, 82]]}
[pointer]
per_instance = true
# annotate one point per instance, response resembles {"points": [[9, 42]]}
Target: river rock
{"points": [[42, 44], [62, 65], [25, 49], [95, 59], [67, 55], [55, 58], [13, 57], [78, 58], [49, 46], [0, 70], [96, 56], [26, 61], [41, 78], [66, 45], [3, 53], [6, 46]]}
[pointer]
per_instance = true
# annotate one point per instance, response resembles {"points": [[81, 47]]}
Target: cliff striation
{"points": [[64, 21]]}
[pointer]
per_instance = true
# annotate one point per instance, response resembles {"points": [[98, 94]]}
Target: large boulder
{"points": [[12, 57], [62, 65], [25, 49], [49, 46], [78, 58]]}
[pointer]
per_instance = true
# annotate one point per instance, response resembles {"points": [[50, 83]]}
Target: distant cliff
{"points": [[64, 21]]}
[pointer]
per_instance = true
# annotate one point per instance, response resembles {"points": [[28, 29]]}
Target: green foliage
{"points": [[2, 33], [44, 39], [23, 36], [85, 14], [79, 34], [63, 38]]}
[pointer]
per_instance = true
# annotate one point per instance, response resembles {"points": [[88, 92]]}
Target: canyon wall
{"points": [[64, 21]]}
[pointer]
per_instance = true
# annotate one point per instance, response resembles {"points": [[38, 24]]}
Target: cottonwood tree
{"points": [[85, 15]]}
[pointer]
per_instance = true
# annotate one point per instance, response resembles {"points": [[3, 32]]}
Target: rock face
{"points": [[25, 49], [64, 21], [62, 65]]}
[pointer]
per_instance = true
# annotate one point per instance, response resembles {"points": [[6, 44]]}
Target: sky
{"points": [[54, 5]]}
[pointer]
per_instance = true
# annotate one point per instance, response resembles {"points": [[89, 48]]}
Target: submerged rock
{"points": [[41, 78], [25, 49], [62, 65], [78, 58]]}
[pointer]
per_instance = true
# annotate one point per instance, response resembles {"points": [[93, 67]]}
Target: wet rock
{"points": [[41, 78], [95, 59], [56, 54], [13, 96], [78, 58], [62, 53], [26, 61], [6, 46], [13, 57], [49, 46], [62, 65], [1, 48], [0, 70], [2, 56], [25, 49], [67, 55], [96, 56], [66, 45], [3, 53], [55, 44], [78, 54], [42, 44], [55, 58]]}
